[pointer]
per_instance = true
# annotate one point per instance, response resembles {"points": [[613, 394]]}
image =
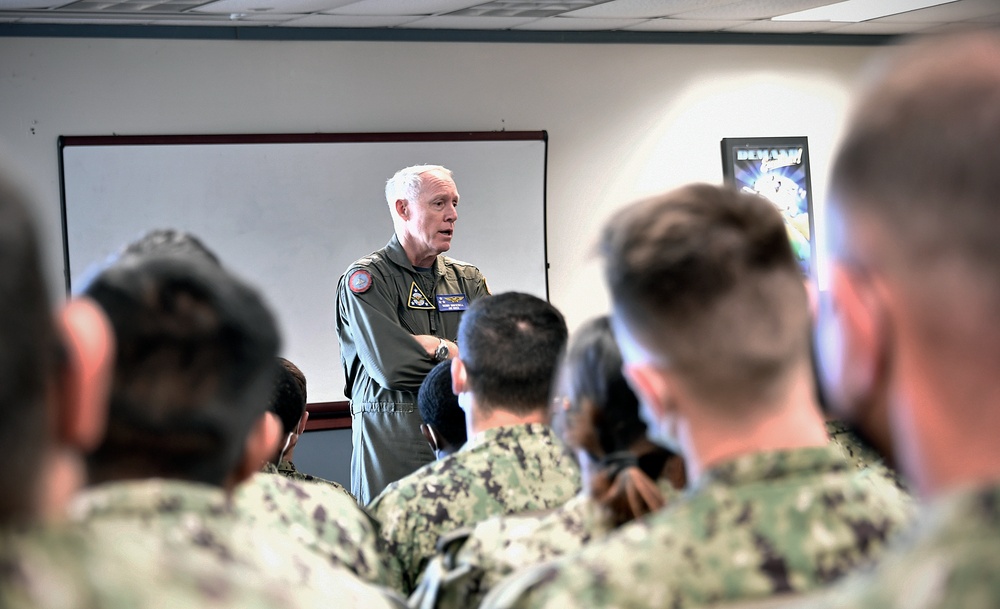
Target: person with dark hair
{"points": [[289, 404], [398, 311], [167, 241], [316, 516], [53, 400], [512, 462], [444, 420], [711, 315], [188, 425], [625, 476]]}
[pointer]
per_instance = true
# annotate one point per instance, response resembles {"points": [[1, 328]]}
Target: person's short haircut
{"points": [[592, 370], [704, 276], [28, 355], [194, 368], [438, 405], [168, 241], [921, 158], [407, 182], [510, 344], [289, 398]]}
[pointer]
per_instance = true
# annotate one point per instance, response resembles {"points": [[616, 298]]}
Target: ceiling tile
{"points": [[447, 22], [578, 24], [878, 26], [954, 11], [77, 20], [404, 7], [766, 26], [275, 6], [752, 9], [350, 21], [684, 25], [20, 5], [626, 9]]}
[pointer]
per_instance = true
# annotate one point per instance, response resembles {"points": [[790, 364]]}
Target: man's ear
{"points": [[402, 208], [856, 351], [430, 434], [86, 377], [262, 443], [301, 427], [459, 378], [651, 386]]}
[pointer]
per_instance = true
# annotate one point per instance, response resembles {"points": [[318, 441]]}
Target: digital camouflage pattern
{"points": [[860, 454], [197, 526], [759, 525], [472, 560], [323, 519], [287, 469], [65, 569], [503, 470], [949, 560]]}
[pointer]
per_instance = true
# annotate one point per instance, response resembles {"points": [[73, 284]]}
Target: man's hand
{"points": [[430, 345]]}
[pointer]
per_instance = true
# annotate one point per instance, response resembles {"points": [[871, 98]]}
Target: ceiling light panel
{"points": [[854, 11]]}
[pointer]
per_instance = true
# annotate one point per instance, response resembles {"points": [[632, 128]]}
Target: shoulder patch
{"points": [[360, 281]]}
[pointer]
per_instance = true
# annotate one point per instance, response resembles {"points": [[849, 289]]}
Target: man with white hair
{"points": [[398, 311]]}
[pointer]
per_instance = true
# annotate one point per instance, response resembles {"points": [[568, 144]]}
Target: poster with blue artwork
{"points": [[776, 168]]}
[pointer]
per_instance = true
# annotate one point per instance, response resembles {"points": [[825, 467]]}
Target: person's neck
{"points": [[418, 256], [945, 421], [481, 419], [790, 421], [61, 477]]}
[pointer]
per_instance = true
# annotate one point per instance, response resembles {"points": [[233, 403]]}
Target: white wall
{"points": [[623, 120]]}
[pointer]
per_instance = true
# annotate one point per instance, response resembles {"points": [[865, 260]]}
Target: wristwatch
{"points": [[441, 353]]}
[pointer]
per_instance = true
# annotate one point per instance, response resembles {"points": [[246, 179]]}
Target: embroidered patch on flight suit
{"points": [[360, 281], [417, 299], [452, 302]]}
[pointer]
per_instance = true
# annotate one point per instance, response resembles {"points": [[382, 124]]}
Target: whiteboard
{"points": [[290, 213]]}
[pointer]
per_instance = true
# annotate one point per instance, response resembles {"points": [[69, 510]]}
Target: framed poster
{"points": [[776, 168]]}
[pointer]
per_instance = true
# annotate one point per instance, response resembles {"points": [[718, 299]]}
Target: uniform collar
{"points": [[507, 433], [142, 498], [775, 465], [396, 253]]}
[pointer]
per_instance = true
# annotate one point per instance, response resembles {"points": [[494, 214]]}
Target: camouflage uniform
{"points": [[503, 470], [195, 525], [948, 561], [470, 561], [287, 469], [382, 302], [325, 520], [758, 525], [64, 569]]}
